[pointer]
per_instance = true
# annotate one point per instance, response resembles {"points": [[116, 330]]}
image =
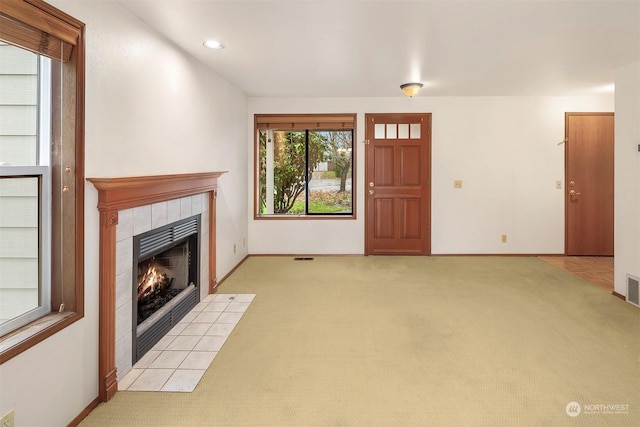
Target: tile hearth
{"points": [[180, 359]]}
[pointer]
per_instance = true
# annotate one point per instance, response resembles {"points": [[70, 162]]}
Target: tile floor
{"points": [[180, 359], [594, 269]]}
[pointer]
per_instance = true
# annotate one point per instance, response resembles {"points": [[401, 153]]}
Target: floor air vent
{"points": [[633, 284], [303, 259]]}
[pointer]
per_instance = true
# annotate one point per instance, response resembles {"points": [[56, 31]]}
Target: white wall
{"points": [[150, 110], [627, 176], [504, 149]]}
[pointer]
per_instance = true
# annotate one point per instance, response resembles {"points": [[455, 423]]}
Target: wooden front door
{"points": [[397, 184], [589, 183]]}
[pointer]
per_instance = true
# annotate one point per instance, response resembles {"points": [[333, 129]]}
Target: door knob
{"points": [[573, 193], [371, 191]]}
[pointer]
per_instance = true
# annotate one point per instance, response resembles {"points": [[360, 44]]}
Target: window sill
{"points": [[305, 217], [29, 335]]}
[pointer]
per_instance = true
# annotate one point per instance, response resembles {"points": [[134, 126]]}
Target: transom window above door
{"points": [[397, 131], [304, 166]]}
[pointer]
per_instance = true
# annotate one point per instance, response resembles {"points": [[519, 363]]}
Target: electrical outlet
{"points": [[7, 420], [457, 183], [504, 238]]}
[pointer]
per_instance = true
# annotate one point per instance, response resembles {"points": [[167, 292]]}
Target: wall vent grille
{"points": [[633, 291], [167, 236]]}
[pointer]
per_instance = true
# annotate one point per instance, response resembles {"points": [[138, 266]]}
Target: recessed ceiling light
{"points": [[212, 44]]}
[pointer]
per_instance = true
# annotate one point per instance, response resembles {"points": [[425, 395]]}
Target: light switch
{"points": [[558, 185], [457, 183]]}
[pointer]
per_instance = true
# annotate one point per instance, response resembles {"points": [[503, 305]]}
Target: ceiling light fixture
{"points": [[411, 89], [213, 44]]}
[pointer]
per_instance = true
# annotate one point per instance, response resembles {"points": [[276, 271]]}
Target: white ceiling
{"points": [[311, 48]]}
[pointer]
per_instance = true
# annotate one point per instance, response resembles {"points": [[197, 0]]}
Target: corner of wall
{"points": [[627, 175]]}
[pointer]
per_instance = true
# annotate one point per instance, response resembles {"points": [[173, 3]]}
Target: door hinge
{"points": [[366, 141]]}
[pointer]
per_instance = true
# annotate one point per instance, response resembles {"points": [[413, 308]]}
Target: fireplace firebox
{"points": [[165, 282]]}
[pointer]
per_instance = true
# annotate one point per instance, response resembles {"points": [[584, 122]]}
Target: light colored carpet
{"points": [[409, 341]]}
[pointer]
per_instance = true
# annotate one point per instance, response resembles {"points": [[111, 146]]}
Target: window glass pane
{"points": [[263, 137], [379, 130], [19, 247], [415, 130], [330, 178], [391, 131], [24, 186], [282, 172], [18, 106], [403, 131]]}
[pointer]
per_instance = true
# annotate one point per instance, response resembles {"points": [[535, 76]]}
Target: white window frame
{"points": [[41, 171]]}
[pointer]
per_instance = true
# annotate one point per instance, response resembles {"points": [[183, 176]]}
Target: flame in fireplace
{"points": [[151, 281]]}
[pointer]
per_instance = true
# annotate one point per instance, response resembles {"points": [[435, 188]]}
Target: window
{"points": [[24, 187], [304, 166], [41, 173]]}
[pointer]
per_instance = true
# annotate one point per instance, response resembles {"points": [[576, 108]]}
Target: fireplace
{"points": [[139, 203], [165, 281]]}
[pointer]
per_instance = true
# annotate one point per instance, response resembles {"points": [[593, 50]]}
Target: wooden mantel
{"points": [[114, 195], [125, 193]]}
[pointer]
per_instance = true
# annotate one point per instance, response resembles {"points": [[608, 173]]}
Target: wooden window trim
{"points": [[19, 18], [332, 121], [39, 28], [305, 121]]}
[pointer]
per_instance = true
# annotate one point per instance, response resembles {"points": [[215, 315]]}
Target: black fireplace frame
{"points": [[145, 246]]}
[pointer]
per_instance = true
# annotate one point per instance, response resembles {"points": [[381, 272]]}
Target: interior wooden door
{"points": [[397, 184], [589, 171]]}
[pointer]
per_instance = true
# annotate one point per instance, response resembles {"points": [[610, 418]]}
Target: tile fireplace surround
{"points": [[132, 222], [128, 207]]}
